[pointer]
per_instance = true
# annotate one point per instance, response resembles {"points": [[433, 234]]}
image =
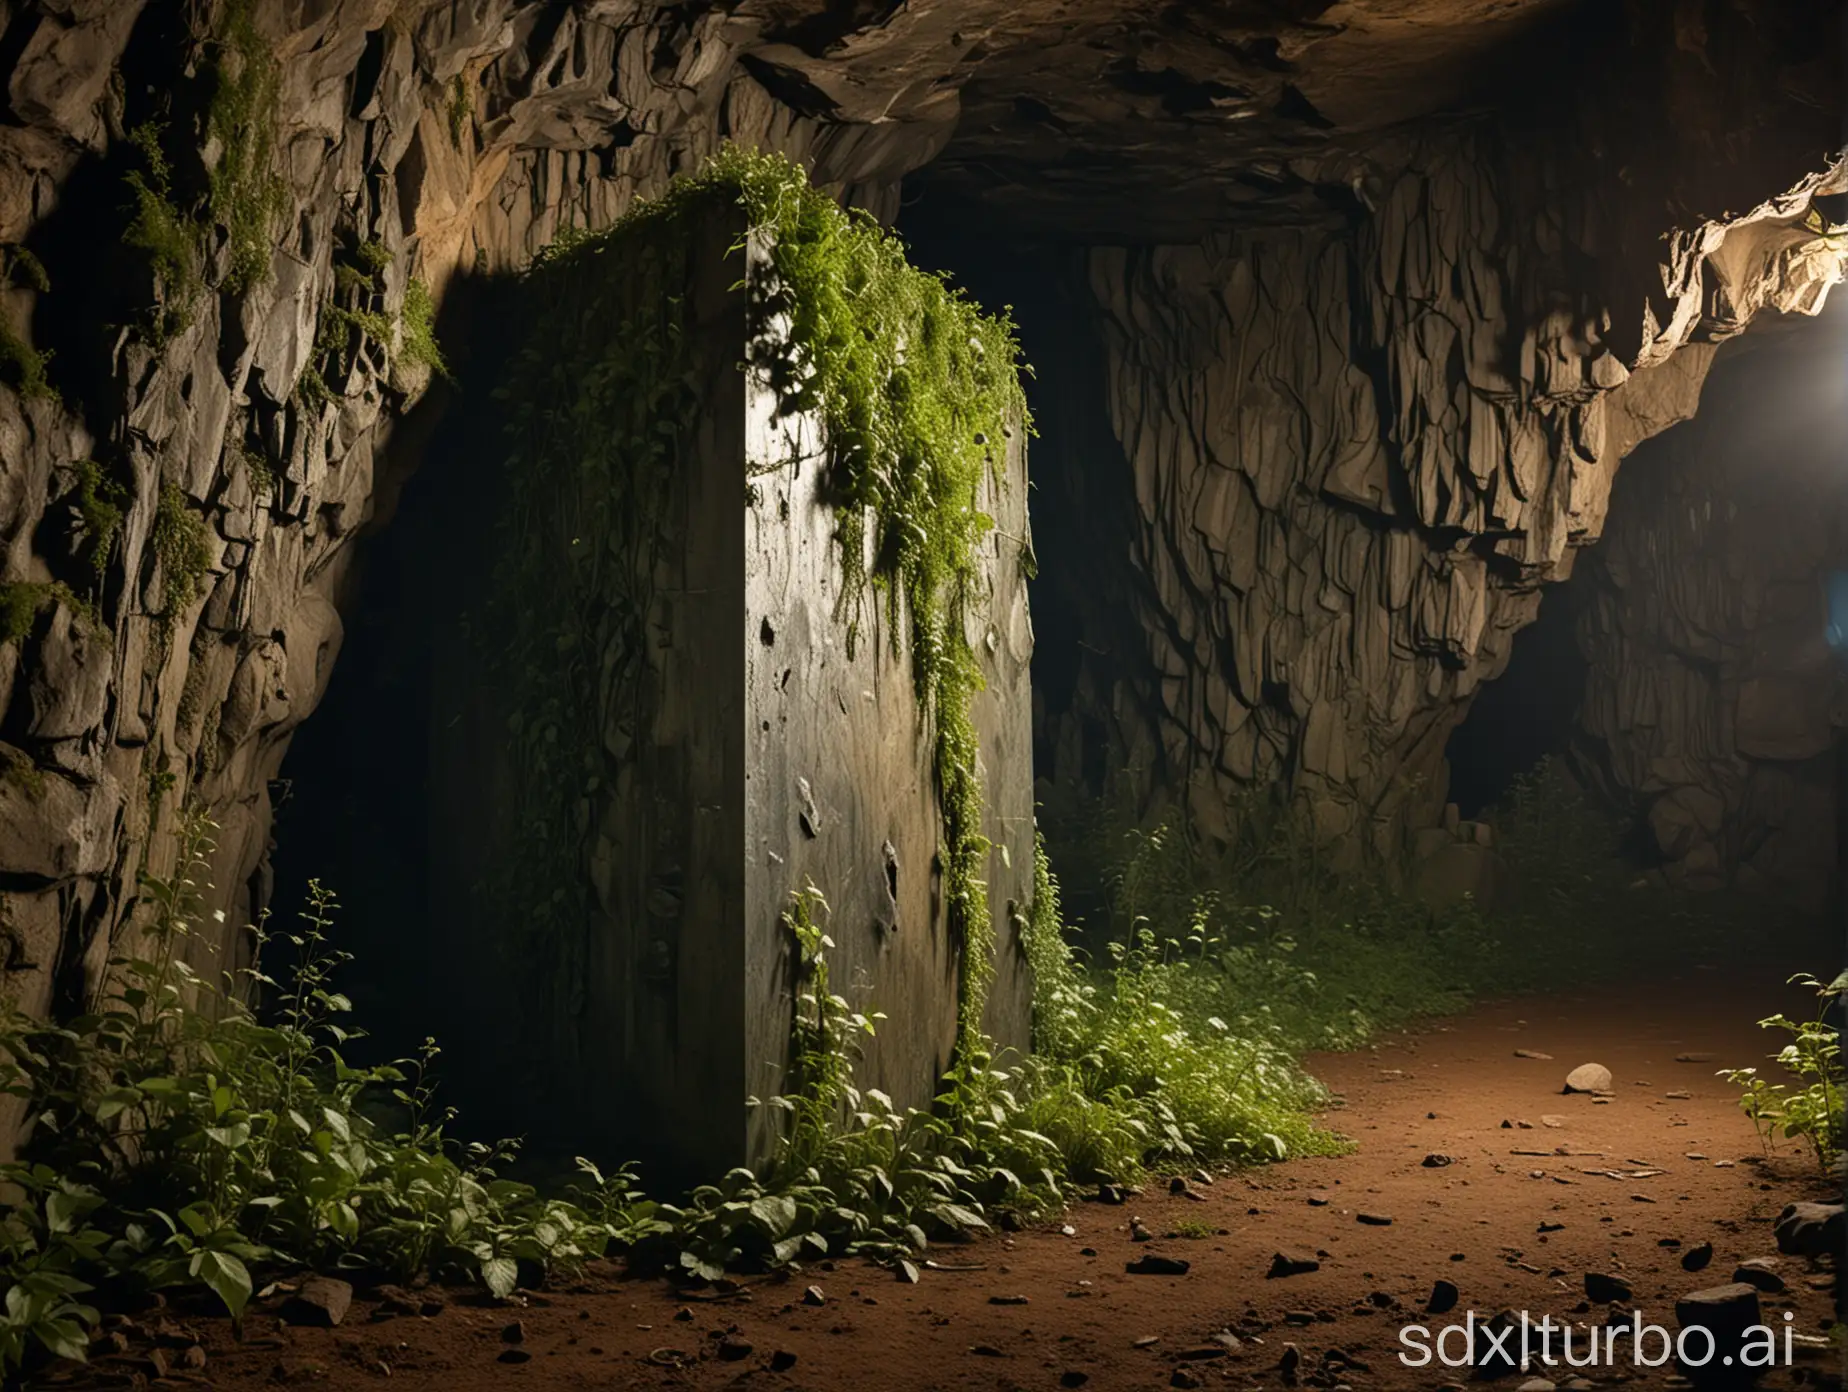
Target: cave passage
{"points": [[1336, 830]]}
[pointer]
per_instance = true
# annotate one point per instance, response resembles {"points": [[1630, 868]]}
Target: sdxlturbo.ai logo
{"points": [[1511, 1341]]}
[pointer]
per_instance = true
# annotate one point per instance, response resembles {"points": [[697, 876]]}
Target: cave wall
{"points": [[1358, 451], [459, 137], [1354, 436], [1710, 702]]}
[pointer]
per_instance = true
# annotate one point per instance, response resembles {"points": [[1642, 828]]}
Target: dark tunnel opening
{"points": [[1526, 714]]}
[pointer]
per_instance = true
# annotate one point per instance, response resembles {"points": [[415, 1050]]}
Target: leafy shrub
{"points": [[176, 1139], [182, 543], [852, 1173], [1811, 1107]]}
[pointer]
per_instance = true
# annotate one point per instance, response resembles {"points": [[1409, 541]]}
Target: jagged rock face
{"points": [[1357, 443], [457, 137], [1358, 453], [1711, 699]]}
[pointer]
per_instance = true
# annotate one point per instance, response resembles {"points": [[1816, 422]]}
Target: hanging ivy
{"points": [[916, 389]]}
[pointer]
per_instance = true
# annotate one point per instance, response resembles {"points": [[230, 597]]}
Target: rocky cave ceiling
{"points": [[1154, 121]]}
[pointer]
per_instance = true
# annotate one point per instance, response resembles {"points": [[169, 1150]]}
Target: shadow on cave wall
{"points": [[353, 803]]}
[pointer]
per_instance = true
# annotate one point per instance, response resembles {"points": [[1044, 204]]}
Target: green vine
{"points": [[916, 388], [21, 365], [248, 196], [182, 543]]}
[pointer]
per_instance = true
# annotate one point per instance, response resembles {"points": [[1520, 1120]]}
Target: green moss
{"points": [[182, 543], [248, 196], [374, 256], [417, 330], [257, 469], [22, 366], [21, 771], [100, 500], [459, 109], [22, 601], [916, 388], [165, 235]]}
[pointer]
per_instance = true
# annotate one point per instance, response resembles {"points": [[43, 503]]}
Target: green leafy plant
{"points": [[183, 545], [248, 196], [164, 234], [21, 365], [917, 391], [417, 330], [178, 1140], [1811, 1106]]}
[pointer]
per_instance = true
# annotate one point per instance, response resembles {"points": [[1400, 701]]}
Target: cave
{"points": [[924, 636]]}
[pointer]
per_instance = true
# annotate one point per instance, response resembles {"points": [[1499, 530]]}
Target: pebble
{"points": [[1291, 1262], [1696, 1258], [1156, 1265], [1373, 1220]]}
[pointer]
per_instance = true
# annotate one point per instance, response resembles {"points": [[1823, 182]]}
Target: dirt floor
{"points": [[1541, 1189]]}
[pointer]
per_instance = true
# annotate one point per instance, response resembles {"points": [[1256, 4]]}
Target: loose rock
{"points": [[1605, 1288], [320, 1300], [1588, 1077], [1725, 1312], [1289, 1262], [1696, 1258], [1156, 1265], [1811, 1230], [1443, 1299], [1758, 1273]]}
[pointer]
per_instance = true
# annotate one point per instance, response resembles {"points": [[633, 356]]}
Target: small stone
{"points": [[1007, 1300], [1318, 1199], [1533, 1054], [814, 1296], [1290, 1262], [734, 1347], [1725, 1312], [1147, 1341], [1444, 1296], [1535, 1385], [1758, 1273], [1696, 1258], [515, 1333], [1698, 1057], [782, 1361], [1678, 1096], [987, 1351], [157, 1362], [1373, 1220], [514, 1355], [1183, 1378], [1073, 1378], [319, 1300], [1156, 1265], [683, 1315], [1552, 1120], [1811, 1230], [194, 1358], [1589, 1077], [1436, 1160], [1606, 1289]]}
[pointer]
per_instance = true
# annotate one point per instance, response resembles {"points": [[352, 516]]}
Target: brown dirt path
{"points": [[1050, 1308]]}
